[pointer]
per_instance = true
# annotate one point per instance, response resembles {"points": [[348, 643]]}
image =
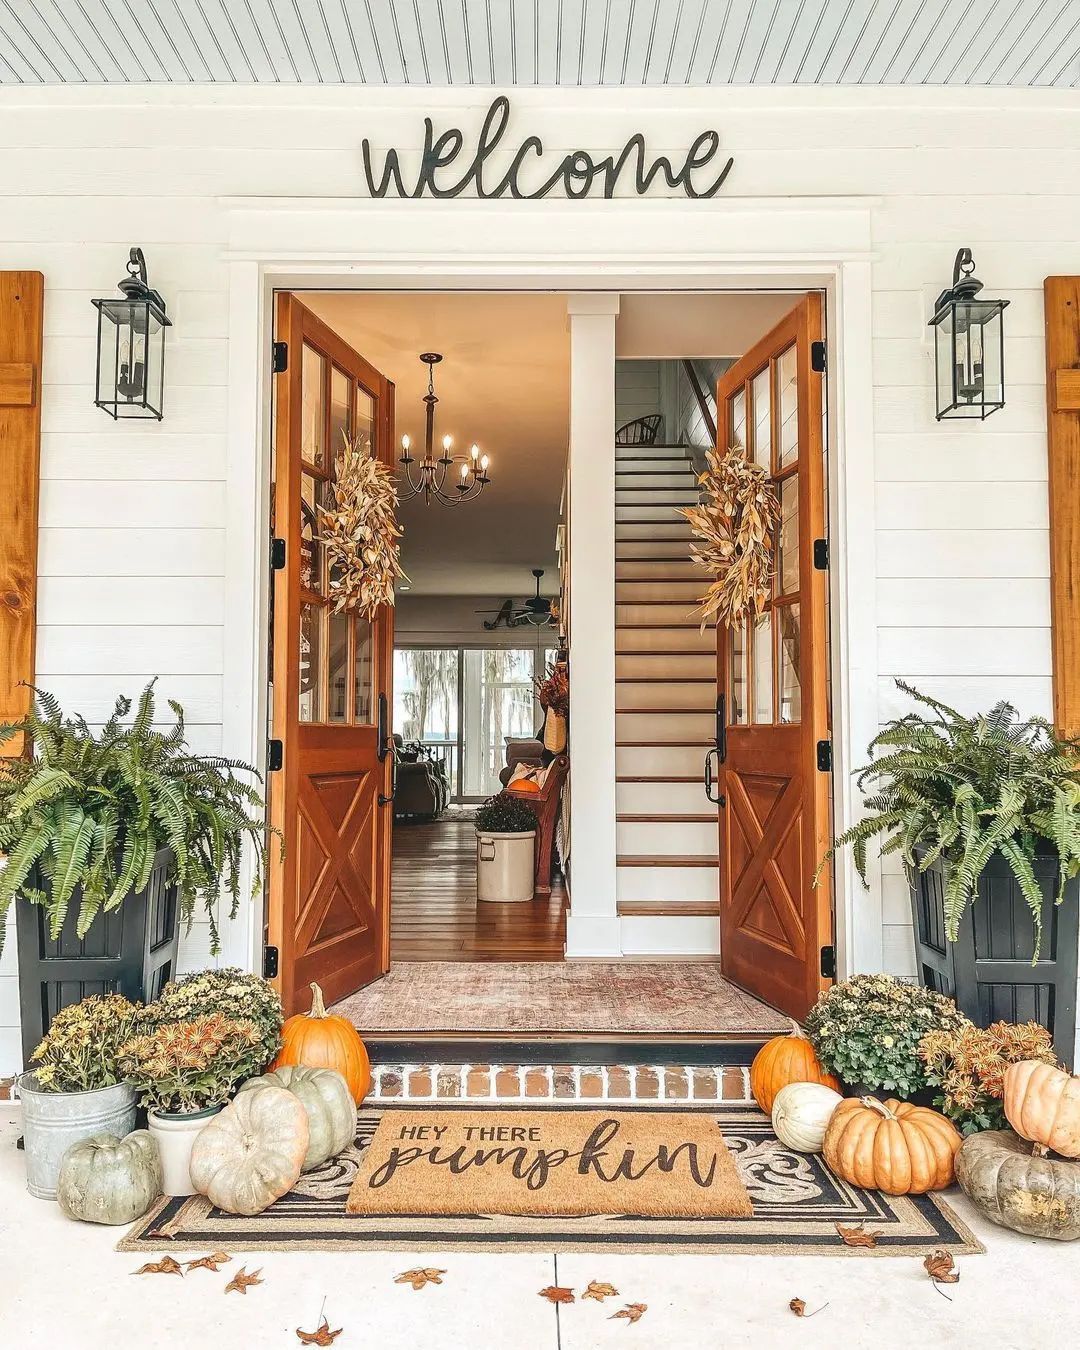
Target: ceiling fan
{"points": [[536, 610]]}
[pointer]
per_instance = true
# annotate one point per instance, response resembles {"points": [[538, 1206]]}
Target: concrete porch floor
{"points": [[62, 1285]]}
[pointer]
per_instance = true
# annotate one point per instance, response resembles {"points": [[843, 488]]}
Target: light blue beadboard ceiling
{"points": [[542, 42]]}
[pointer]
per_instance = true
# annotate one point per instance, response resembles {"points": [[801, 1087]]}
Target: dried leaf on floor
{"points": [[211, 1262], [242, 1281], [941, 1267], [798, 1307], [555, 1293], [857, 1236], [632, 1312], [599, 1290], [418, 1278], [166, 1266], [322, 1335]]}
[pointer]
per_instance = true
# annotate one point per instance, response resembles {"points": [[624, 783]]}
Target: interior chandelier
{"points": [[472, 473]]}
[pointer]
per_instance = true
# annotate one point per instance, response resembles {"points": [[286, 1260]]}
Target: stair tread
{"points": [[674, 651], [658, 778], [663, 745], [676, 818], [661, 908], [666, 679], [666, 860], [665, 712]]}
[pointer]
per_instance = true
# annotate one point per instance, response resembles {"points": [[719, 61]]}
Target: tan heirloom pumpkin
{"points": [[783, 1060], [1042, 1103], [325, 1096], [321, 1040], [251, 1154], [891, 1146], [1016, 1186]]}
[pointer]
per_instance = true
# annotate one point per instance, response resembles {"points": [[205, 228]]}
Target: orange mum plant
{"points": [[968, 1064]]}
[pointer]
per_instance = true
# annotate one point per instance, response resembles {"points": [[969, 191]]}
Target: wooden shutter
{"points": [[1062, 304], [21, 307]]}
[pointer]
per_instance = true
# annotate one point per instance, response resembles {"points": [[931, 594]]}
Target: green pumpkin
{"points": [[1020, 1189], [110, 1180], [325, 1096]]}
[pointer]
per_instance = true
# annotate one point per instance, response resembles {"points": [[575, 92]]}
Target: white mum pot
{"points": [[505, 865], [174, 1135]]}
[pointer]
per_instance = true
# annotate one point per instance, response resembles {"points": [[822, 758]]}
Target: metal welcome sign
{"points": [[441, 175]]}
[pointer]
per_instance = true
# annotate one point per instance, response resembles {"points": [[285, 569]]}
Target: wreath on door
{"points": [[360, 532], [735, 521]]}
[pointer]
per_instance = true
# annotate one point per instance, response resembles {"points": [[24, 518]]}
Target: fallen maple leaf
{"points": [[418, 1278], [798, 1307], [166, 1266], [941, 1268], [321, 1336], [600, 1291], [859, 1236], [242, 1281], [555, 1293], [210, 1262], [632, 1312]]}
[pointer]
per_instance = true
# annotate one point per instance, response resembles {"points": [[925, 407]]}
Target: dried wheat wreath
{"points": [[735, 521], [360, 532]]}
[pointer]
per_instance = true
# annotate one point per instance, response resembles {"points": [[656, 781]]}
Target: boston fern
{"points": [[955, 790], [91, 811]]}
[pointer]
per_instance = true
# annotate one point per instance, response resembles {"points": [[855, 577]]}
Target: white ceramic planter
{"points": [[174, 1136], [505, 866], [53, 1121]]}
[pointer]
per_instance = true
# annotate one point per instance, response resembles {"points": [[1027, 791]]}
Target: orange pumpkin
{"points": [[321, 1040], [1042, 1104], [783, 1060], [891, 1146]]}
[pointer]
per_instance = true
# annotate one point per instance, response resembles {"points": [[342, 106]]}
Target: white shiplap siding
{"points": [[134, 523]]}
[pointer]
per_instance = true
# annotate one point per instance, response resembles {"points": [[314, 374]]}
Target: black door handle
{"points": [[385, 746], [710, 782]]}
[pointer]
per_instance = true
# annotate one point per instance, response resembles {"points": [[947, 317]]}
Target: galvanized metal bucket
{"points": [[53, 1121]]}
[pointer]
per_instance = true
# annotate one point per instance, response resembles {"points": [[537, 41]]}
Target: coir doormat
{"points": [[548, 1163], [796, 1204]]}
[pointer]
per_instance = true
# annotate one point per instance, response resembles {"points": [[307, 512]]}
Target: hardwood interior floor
{"points": [[435, 915]]}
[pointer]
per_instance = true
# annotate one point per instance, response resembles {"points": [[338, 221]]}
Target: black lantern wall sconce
{"points": [[131, 346], [969, 345]]}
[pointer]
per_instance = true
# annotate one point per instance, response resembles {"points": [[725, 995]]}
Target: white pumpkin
{"points": [[801, 1113], [250, 1155]]}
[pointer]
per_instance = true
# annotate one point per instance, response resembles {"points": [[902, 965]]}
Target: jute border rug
{"points": [[796, 1203]]}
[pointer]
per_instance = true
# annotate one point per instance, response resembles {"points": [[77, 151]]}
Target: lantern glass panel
{"points": [[131, 358], [969, 358]]}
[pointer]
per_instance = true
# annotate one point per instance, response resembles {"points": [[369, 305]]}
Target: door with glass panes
{"points": [[329, 906], [772, 688]]}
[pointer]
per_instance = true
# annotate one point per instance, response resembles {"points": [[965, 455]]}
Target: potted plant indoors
{"points": [[184, 1073], [985, 813], [867, 1031], [111, 838], [505, 849], [75, 1089]]}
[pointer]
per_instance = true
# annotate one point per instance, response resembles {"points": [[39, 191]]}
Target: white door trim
{"points": [[664, 245]]}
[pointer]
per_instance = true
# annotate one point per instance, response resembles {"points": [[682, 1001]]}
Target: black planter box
{"points": [[988, 970], [131, 951]]}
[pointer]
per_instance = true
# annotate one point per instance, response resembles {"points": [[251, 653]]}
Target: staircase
{"points": [[665, 673]]}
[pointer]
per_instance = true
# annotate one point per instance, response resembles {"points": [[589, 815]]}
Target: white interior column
{"points": [[592, 925]]}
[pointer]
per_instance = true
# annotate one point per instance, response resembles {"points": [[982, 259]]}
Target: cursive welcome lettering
{"points": [[535, 1166], [576, 172]]}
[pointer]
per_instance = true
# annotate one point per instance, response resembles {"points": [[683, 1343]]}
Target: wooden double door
{"points": [[773, 743], [329, 889]]}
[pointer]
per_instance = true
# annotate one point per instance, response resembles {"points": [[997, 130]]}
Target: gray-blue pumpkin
{"points": [[107, 1179]]}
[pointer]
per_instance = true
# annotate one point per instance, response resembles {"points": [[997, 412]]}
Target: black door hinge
{"points": [[279, 361], [275, 754], [277, 554], [817, 357], [270, 963], [824, 756], [821, 554], [828, 963]]}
